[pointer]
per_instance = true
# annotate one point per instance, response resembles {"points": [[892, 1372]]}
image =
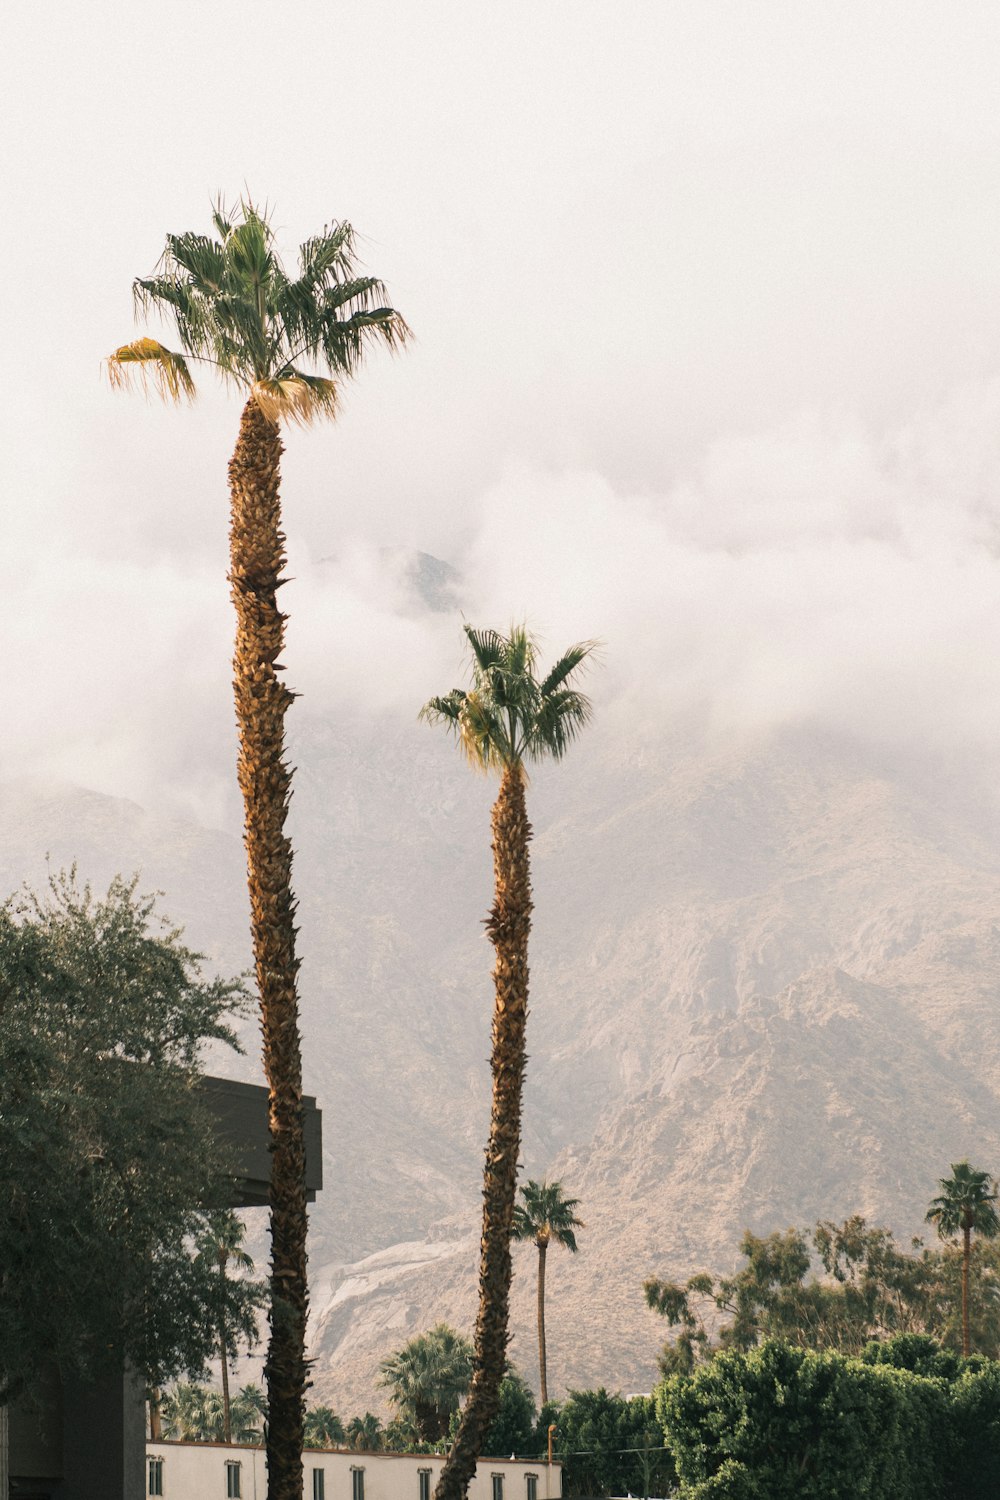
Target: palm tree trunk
{"points": [[508, 926], [155, 1423], [227, 1425], [544, 1390], [257, 556], [966, 1254]]}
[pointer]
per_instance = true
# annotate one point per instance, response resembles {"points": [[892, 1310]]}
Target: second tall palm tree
{"points": [[507, 718]]}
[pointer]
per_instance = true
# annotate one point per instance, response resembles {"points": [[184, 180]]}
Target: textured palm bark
{"points": [[507, 926], [257, 556], [543, 1246]]}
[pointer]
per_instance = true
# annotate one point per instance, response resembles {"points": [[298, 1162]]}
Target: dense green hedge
{"points": [[783, 1423]]}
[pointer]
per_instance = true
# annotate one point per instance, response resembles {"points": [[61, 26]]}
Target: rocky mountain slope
{"points": [[764, 985]]}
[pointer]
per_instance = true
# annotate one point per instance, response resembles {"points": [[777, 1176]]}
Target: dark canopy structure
{"points": [[88, 1442]]}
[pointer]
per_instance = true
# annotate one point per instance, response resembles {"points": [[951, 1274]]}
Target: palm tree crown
{"points": [[965, 1203], [264, 331], [509, 716], [545, 1215], [428, 1378]]}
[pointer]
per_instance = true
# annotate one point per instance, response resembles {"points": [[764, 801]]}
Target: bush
{"points": [[805, 1426]]}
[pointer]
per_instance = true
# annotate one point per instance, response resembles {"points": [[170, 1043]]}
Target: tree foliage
{"points": [[107, 1160], [427, 1379], [783, 1423], [194, 1413], [836, 1288], [609, 1445], [237, 309]]}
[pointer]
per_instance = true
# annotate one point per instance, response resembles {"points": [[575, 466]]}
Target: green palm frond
{"points": [[507, 716], [235, 308]]}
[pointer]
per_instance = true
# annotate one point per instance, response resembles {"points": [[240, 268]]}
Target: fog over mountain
{"points": [[764, 974]]}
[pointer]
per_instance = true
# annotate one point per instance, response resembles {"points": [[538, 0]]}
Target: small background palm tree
{"points": [[965, 1206], [323, 1428], [507, 718], [286, 342], [427, 1380], [545, 1216], [221, 1244]]}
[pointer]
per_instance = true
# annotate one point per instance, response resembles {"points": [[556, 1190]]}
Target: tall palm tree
{"points": [[286, 343], [222, 1244], [507, 718], [545, 1216], [427, 1379], [965, 1204]]}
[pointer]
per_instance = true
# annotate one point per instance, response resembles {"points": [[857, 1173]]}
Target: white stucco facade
{"points": [[231, 1471]]}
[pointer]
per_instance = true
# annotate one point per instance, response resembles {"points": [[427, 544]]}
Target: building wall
{"points": [[197, 1471]]}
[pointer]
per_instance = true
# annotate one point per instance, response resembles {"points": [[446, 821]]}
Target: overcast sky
{"points": [[707, 360]]}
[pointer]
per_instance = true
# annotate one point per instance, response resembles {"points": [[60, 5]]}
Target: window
{"points": [[357, 1484], [497, 1487], [233, 1491], [319, 1484], [156, 1476], [531, 1487], [424, 1476]]}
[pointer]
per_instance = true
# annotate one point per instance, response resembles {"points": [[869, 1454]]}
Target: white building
{"points": [[234, 1471]]}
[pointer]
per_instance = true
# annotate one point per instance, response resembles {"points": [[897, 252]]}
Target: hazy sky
{"points": [[707, 360]]}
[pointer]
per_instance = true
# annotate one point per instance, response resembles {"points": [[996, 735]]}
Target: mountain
{"points": [[763, 991]]}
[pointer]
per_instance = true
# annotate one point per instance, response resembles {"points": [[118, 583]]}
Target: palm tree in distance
{"points": [[965, 1204], [545, 1216], [507, 718], [365, 1434], [286, 343], [323, 1428], [221, 1243], [427, 1379]]}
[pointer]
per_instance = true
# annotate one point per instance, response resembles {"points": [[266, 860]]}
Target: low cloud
{"points": [[814, 572]]}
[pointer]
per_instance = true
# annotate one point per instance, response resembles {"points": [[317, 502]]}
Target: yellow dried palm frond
{"points": [[295, 398], [145, 359]]}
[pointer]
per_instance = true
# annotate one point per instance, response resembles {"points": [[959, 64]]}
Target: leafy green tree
{"points": [[220, 1245], [286, 342], [507, 718], [784, 1423], [546, 1216], [107, 1158], [514, 1428], [965, 1206], [427, 1379], [609, 1445], [323, 1428], [838, 1288]]}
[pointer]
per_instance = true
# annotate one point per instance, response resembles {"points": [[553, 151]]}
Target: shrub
{"points": [[805, 1426]]}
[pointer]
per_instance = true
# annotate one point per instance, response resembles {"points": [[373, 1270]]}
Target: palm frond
{"points": [[567, 665], [145, 360], [448, 709], [560, 718], [296, 398]]}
